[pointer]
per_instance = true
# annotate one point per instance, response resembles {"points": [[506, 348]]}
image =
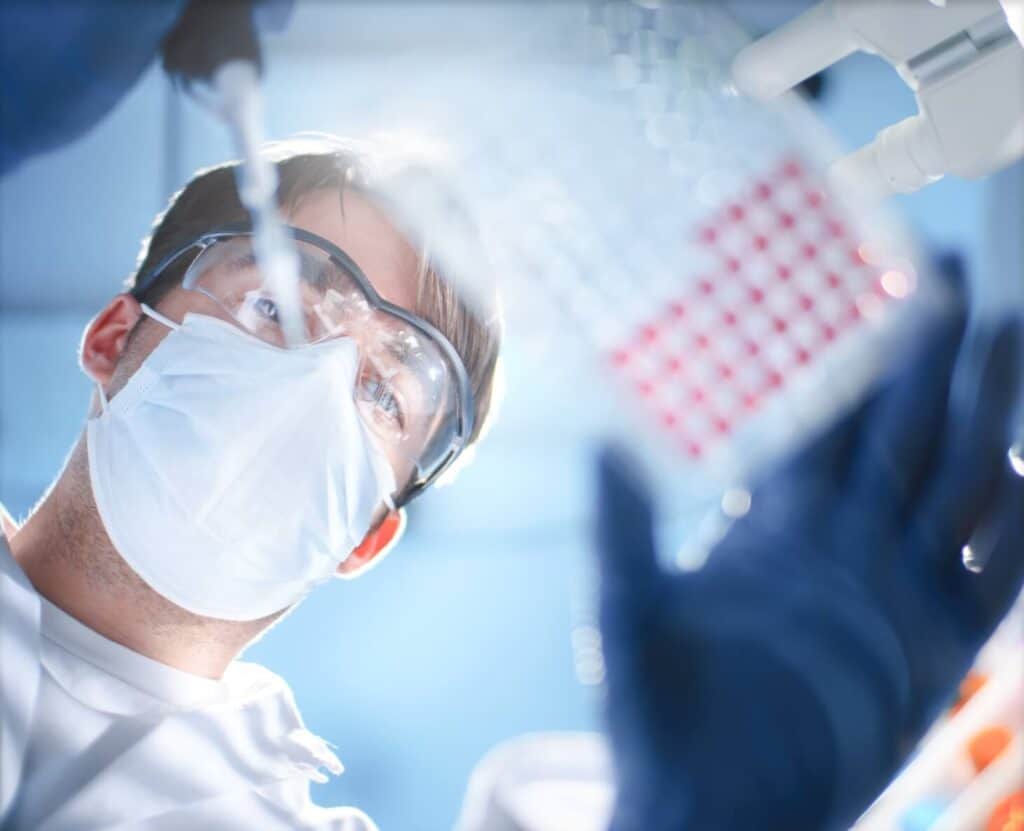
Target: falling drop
{"points": [[971, 560], [736, 502], [1016, 457]]}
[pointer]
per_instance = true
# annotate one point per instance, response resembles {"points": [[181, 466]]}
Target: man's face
{"points": [[356, 226]]}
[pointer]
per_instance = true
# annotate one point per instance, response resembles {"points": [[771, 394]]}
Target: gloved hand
{"points": [[212, 32], [781, 686], [65, 66]]}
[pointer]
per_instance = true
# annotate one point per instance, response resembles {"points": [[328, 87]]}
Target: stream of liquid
{"points": [[240, 103]]}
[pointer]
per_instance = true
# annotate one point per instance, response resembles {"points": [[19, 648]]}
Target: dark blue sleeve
{"points": [[65, 65]]}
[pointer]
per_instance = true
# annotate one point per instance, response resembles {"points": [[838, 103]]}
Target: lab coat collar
{"points": [[19, 667], [128, 684], [245, 728]]}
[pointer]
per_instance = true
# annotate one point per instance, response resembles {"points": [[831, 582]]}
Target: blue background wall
{"points": [[464, 637]]}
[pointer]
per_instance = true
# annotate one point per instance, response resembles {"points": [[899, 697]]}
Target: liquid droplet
{"points": [[971, 560], [736, 502], [1016, 457]]}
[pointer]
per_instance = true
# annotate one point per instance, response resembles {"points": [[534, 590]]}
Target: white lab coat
{"points": [[94, 735], [542, 782]]}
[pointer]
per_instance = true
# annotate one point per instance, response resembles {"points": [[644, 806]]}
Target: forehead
{"points": [[365, 233]]}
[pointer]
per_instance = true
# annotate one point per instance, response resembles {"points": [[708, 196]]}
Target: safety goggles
{"points": [[412, 388]]}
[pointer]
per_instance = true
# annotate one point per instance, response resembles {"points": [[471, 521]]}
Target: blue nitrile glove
{"points": [[781, 686], [66, 65]]}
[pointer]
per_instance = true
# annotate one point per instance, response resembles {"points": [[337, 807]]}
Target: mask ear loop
{"points": [[159, 318], [104, 403]]}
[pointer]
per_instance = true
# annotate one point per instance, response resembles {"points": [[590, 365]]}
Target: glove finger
{"points": [[627, 558], [965, 479], [630, 598], [627, 554], [901, 434], [208, 35], [999, 544]]}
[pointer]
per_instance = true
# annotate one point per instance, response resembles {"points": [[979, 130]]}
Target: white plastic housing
{"points": [[963, 61]]}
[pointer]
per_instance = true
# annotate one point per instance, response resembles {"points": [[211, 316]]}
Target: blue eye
{"points": [[376, 390], [266, 308]]}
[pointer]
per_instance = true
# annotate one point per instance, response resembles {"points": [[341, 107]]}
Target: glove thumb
{"points": [[627, 555]]}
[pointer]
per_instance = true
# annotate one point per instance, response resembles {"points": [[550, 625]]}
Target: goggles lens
{"points": [[407, 390]]}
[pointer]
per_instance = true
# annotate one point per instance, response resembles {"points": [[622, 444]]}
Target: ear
{"points": [[378, 542], [105, 337]]}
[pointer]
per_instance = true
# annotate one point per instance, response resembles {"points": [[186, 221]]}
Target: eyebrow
{"points": [[320, 273]]}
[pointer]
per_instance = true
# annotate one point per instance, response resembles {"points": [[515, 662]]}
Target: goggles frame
{"points": [[464, 414]]}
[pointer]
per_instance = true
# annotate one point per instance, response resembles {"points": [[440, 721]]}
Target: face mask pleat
{"points": [[232, 477]]}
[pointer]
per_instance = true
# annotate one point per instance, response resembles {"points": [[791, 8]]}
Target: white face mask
{"points": [[234, 476]]}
